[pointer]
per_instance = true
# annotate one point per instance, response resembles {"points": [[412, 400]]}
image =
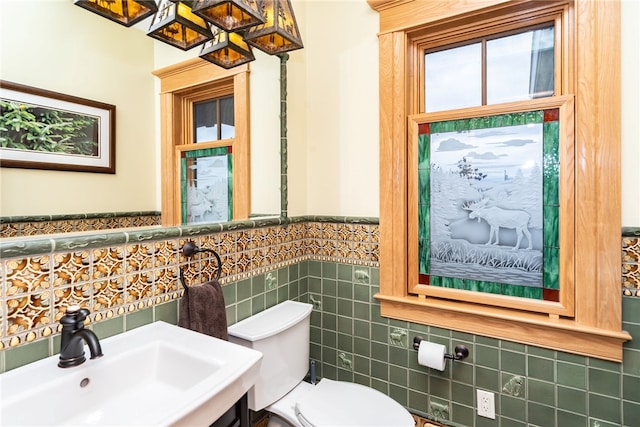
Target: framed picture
{"points": [[41, 129]]}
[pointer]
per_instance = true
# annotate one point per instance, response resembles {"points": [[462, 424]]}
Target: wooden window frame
{"points": [[182, 85], [217, 94], [482, 35], [590, 44]]}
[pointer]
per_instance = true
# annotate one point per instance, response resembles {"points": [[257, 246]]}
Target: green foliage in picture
{"points": [[33, 128]]}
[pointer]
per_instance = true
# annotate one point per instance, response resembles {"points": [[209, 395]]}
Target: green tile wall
{"points": [[534, 386], [350, 341]]}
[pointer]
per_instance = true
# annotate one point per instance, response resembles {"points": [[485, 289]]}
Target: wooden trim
{"points": [[241, 149], [404, 15], [176, 212], [540, 330], [590, 72], [379, 5], [461, 31], [167, 136], [203, 145], [393, 163], [598, 133], [181, 85], [193, 72]]}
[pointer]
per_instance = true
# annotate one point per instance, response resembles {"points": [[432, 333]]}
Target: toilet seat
{"points": [[338, 403], [286, 406]]}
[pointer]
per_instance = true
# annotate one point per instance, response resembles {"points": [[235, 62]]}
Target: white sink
{"points": [[155, 375]]}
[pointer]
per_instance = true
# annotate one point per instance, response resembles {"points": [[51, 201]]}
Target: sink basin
{"points": [[155, 375]]}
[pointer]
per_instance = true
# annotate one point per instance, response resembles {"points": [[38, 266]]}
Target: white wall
{"points": [[332, 110], [114, 67], [339, 98], [337, 101], [630, 52]]}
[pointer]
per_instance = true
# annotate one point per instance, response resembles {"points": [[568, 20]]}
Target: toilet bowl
{"points": [[281, 333]]}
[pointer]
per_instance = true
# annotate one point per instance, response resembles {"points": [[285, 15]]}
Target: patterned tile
{"points": [[297, 232], [27, 275], [80, 294], [167, 286], [108, 262], [271, 255], [166, 253], [31, 226], [631, 265], [107, 294], [124, 278], [28, 318], [71, 267], [235, 241], [314, 230], [631, 250], [139, 286], [230, 264], [140, 257]]}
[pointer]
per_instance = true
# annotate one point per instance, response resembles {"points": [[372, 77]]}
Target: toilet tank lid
{"points": [[270, 321]]}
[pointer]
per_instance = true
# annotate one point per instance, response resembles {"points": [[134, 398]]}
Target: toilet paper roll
{"points": [[432, 355]]}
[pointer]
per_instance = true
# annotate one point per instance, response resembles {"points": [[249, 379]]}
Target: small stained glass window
{"points": [[207, 185]]}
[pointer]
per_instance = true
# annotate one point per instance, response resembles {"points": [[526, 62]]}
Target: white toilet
{"points": [[281, 334]]}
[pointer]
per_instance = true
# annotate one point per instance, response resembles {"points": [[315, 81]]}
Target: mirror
{"points": [[72, 51]]}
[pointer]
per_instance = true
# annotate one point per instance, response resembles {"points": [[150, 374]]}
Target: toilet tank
{"points": [[281, 334]]}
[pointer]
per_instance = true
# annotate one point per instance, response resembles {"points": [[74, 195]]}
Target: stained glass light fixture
{"points": [[230, 15], [229, 27], [226, 49], [279, 33], [124, 12], [177, 25]]}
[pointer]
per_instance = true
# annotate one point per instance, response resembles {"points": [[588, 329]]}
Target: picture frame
{"points": [[42, 129], [455, 251]]}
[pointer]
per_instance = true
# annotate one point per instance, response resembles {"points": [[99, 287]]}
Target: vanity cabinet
{"points": [[236, 416]]}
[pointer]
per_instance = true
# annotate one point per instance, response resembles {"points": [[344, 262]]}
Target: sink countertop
{"points": [[158, 374]]}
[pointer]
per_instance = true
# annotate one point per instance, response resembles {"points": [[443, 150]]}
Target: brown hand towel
{"points": [[202, 309]]}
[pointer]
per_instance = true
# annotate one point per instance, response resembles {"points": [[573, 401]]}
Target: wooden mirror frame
{"points": [[180, 86]]}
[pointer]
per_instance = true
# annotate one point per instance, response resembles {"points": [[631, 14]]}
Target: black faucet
{"points": [[73, 337]]}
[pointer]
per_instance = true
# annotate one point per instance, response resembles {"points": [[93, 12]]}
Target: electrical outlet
{"points": [[486, 404]]}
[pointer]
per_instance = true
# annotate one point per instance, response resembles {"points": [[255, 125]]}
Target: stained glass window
{"points": [[488, 204], [207, 185]]}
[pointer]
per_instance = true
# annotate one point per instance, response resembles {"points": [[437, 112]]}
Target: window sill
{"points": [[525, 327]]}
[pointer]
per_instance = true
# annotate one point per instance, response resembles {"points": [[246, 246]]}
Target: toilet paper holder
{"points": [[461, 352]]}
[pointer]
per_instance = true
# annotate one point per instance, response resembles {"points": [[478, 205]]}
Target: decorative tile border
{"points": [[116, 273], [22, 226], [631, 261], [122, 272]]}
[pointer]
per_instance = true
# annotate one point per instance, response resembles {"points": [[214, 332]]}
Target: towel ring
{"points": [[189, 249]]}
